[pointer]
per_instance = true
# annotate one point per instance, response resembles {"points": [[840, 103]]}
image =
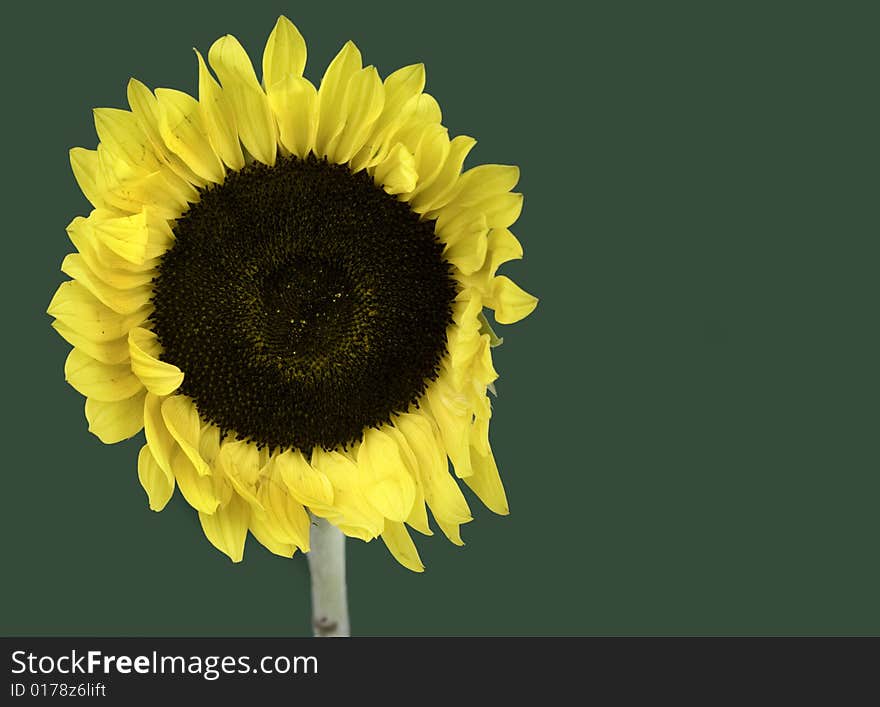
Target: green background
{"points": [[687, 426]]}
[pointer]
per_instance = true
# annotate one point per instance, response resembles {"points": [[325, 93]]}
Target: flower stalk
{"points": [[327, 567]]}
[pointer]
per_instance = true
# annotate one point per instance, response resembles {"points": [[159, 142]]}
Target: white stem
{"points": [[327, 566]]}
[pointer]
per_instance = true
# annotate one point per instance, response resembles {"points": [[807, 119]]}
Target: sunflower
{"points": [[284, 286]]}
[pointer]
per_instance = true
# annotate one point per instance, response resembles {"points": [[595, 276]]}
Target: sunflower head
{"points": [[284, 286]]}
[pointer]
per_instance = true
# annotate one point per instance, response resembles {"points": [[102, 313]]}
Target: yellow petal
{"points": [[253, 117], [398, 541], [132, 191], [486, 483], [418, 515], [503, 247], [287, 519], [209, 443], [227, 527], [159, 439], [361, 106], [113, 352], [146, 110], [388, 485], [431, 153], [260, 529], [198, 490], [350, 512], [469, 253], [76, 307], [101, 381], [469, 227], [442, 493], [485, 181], [499, 211], [510, 302], [127, 236], [115, 421], [182, 422], [397, 172], [121, 301], [439, 192], [154, 481], [159, 377], [305, 483], [331, 94], [84, 164], [401, 88], [119, 132], [294, 101], [219, 119], [285, 53], [239, 462], [119, 244], [448, 409], [451, 530], [184, 131]]}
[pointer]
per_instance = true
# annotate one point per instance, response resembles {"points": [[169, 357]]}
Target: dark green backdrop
{"points": [[687, 426]]}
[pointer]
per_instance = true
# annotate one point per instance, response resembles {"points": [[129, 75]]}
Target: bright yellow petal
{"points": [[184, 131], [126, 236], [182, 421], [305, 483], [486, 483], [485, 181], [219, 118], [113, 352], [84, 164], [350, 512], [146, 109], [100, 381], [132, 192], [503, 247], [198, 490], [331, 95], [397, 172], [401, 90], [439, 192], [452, 531], [253, 117], [77, 308], [418, 515], [294, 101], [442, 493], [261, 530], [154, 481], [510, 302], [120, 134], [239, 462], [388, 485], [159, 377], [398, 541], [431, 153], [117, 245], [469, 253], [159, 439], [287, 519], [284, 55], [448, 409], [121, 301], [115, 421], [227, 527], [361, 106]]}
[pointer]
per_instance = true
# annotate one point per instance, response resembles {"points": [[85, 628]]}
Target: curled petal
{"points": [[155, 482], [159, 377]]}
